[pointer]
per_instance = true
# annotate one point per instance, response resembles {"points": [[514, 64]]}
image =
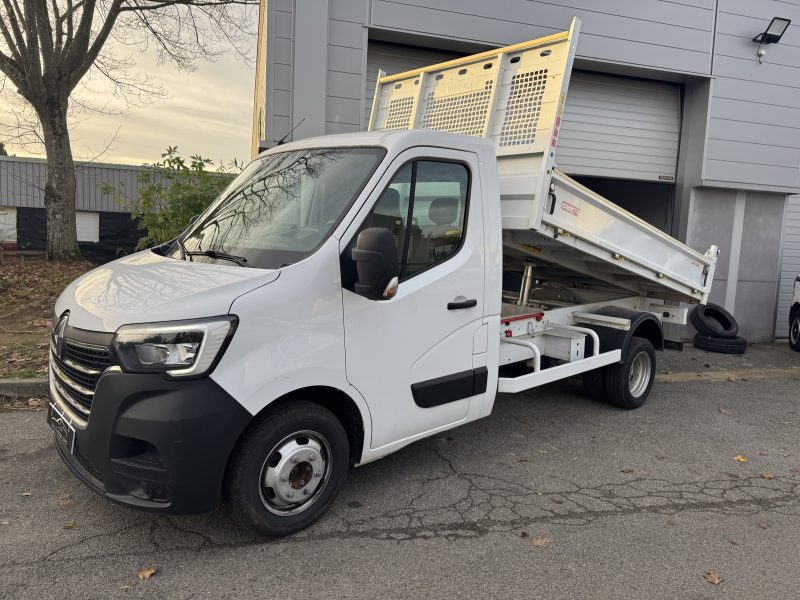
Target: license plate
{"points": [[61, 425]]}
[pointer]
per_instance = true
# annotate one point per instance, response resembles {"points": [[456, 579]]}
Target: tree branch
{"points": [[92, 52], [15, 19], [158, 4]]}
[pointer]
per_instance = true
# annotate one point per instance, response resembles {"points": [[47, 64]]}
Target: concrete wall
{"points": [[746, 226]]}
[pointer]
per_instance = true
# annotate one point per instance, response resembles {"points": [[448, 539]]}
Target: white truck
{"points": [[349, 294]]}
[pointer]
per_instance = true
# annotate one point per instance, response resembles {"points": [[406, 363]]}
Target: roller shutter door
{"points": [[790, 265], [615, 127]]}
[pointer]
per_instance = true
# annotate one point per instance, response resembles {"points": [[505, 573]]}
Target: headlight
{"points": [[181, 348]]}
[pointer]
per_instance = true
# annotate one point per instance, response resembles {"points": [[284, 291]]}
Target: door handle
{"points": [[462, 304]]}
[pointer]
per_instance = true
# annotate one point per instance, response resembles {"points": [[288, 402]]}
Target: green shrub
{"points": [[171, 192]]}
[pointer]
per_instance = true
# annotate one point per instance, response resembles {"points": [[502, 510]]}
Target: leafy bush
{"points": [[171, 192]]}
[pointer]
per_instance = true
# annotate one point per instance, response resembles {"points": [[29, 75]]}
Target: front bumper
{"points": [[157, 444]]}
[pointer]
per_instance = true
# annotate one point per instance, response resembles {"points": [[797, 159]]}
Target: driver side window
{"points": [[425, 207]]}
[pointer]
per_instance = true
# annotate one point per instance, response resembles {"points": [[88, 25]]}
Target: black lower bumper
{"points": [[157, 444]]}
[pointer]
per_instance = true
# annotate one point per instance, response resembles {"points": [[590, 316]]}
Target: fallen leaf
{"points": [[760, 453], [3, 522], [712, 578], [733, 542], [146, 573], [65, 501], [722, 410], [763, 524], [541, 542], [796, 470], [523, 534], [70, 525], [660, 456], [27, 493], [767, 475], [707, 366], [741, 458]]}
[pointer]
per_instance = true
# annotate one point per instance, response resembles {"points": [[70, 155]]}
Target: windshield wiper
{"points": [[216, 254]]}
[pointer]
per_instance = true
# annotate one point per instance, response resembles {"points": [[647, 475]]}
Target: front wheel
{"points": [[287, 469], [794, 333], [628, 383]]}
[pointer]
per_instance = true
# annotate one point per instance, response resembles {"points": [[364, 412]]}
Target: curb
{"points": [[27, 388]]}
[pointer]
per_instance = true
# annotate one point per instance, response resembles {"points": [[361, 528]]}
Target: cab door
{"points": [[411, 356]]}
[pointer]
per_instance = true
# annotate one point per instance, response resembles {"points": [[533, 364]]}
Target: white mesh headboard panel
{"points": [[512, 95]]}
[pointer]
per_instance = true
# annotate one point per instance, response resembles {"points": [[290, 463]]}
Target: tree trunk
{"points": [[59, 191]]}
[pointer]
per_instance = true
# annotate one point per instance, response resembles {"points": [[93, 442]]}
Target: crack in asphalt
{"points": [[454, 505]]}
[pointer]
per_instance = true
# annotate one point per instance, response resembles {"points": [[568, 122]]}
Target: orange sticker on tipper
{"points": [[573, 210]]}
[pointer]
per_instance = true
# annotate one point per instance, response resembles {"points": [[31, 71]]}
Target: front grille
{"points": [[76, 372]]}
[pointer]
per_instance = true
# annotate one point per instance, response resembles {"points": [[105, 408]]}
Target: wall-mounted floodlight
{"points": [[771, 35]]}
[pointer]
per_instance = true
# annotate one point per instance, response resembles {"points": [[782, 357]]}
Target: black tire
{"points": [[594, 384], [794, 332], [737, 345], [628, 390], [257, 460], [712, 320]]}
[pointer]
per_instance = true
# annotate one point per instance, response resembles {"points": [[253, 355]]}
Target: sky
{"points": [[206, 112]]}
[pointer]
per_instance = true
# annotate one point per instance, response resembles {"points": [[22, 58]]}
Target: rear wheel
{"points": [[287, 469], [594, 384], [628, 383]]}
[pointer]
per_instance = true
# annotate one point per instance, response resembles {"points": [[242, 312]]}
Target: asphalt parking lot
{"points": [[553, 496]]}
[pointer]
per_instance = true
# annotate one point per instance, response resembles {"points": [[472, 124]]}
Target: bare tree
{"points": [[49, 47]]}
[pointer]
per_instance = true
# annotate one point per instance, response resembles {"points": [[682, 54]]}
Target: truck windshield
{"points": [[281, 208]]}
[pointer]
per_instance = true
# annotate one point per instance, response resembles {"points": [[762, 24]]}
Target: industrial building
{"points": [[674, 112]]}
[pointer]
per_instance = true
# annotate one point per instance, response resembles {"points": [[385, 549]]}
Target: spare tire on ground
{"points": [[734, 345], [712, 320]]}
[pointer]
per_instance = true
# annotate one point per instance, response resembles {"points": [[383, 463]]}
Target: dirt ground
{"points": [[28, 292]]}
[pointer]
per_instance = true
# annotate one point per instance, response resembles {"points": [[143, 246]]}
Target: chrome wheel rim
{"points": [[295, 473], [639, 377], [794, 332]]}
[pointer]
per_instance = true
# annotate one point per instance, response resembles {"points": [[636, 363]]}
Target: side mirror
{"points": [[377, 264]]}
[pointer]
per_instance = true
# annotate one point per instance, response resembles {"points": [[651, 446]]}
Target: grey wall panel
{"points": [[671, 38], [345, 33], [344, 110], [758, 260], [755, 306], [789, 265], [346, 54], [749, 152], [744, 174], [345, 85], [754, 128], [712, 223]]}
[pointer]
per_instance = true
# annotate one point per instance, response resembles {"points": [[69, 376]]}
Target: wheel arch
{"points": [[793, 311], [335, 400], [643, 324]]}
